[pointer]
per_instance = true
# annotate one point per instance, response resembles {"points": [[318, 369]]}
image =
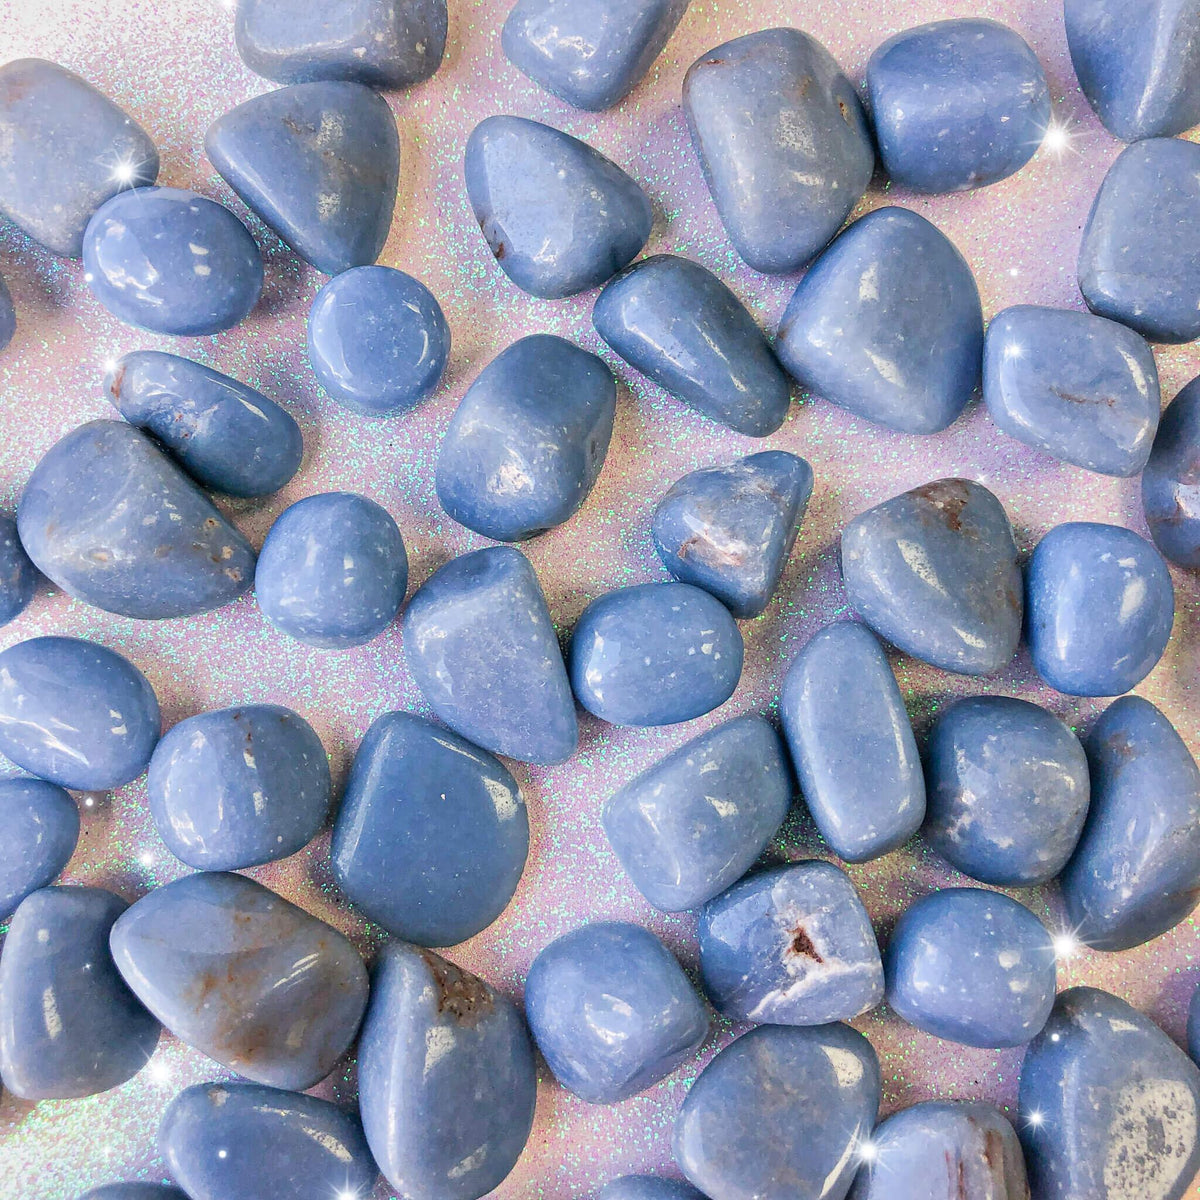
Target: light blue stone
{"points": [[18, 575], [8, 316], [134, 1191], [648, 1187], [612, 1011], [1171, 480], [41, 826], [1193, 1025]]}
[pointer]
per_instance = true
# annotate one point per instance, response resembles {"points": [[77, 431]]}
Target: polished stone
{"points": [[8, 316], [1193, 1025], [41, 826], [18, 575], [134, 1191], [1171, 480], [647, 1187]]}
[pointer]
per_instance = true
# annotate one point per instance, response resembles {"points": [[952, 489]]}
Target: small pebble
{"points": [[134, 1191], [18, 575], [41, 827], [1193, 1025], [1171, 480], [648, 1187], [8, 316]]}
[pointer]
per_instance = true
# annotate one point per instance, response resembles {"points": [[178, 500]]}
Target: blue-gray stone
{"points": [[888, 324], [934, 571], [695, 822], [8, 316], [481, 646], [18, 575], [41, 826], [319, 163], [244, 976], [115, 523], [171, 261], [333, 570], [1193, 1025], [1139, 261], [780, 1114], [76, 713], [956, 104], [680, 326], [559, 217], [971, 966], [527, 444], [1099, 608], [1008, 790], [69, 1027], [65, 149], [239, 787], [1136, 872], [432, 833], [134, 1191], [225, 435], [1082, 388], [1109, 1106], [1171, 480], [790, 946], [446, 1077], [648, 1187], [783, 143], [852, 743], [612, 1011]]}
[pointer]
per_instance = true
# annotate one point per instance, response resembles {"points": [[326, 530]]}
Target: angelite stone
{"points": [[222, 1140], [647, 1187], [852, 743], [680, 326], [319, 163], [225, 435], [171, 261], [41, 826], [971, 966], [779, 1114], [956, 104], [1100, 605], [8, 316], [1193, 1025], [76, 713], [1171, 480], [239, 787], [483, 651], [888, 324], [69, 1027], [559, 217], [612, 1011], [432, 833], [1136, 872], [655, 654], [333, 570], [1109, 1106], [527, 444], [115, 523], [1139, 262], [244, 976], [934, 571], [696, 821], [446, 1077], [1075, 385], [790, 946], [783, 143], [377, 340], [18, 575], [134, 1191], [65, 149]]}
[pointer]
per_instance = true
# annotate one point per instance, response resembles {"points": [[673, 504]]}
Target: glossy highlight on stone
{"points": [[1171, 480], [647, 1187], [41, 826], [18, 575]]}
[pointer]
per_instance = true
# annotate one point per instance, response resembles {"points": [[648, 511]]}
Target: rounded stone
{"points": [[41, 827], [18, 575], [1171, 480]]}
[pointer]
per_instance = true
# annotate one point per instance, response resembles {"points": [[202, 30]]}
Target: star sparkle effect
{"points": [[1060, 139]]}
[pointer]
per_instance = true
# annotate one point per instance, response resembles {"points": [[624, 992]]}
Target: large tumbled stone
{"points": [[1171, 480], [18, 575], [41, 826]]}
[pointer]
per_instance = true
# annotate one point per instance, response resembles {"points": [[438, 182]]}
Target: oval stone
{"points": [[41, 827], [648, 1187], [1171, 480], [8, 316], [134, 1191], [18, 575]]}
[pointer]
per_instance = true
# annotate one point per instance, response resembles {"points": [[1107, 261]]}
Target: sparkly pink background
{"points": [[172, 64]]}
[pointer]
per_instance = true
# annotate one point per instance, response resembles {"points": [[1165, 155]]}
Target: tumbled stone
{"points": [[1193, 1025], [648, 1187], [41, 826], [18, 575], [134, 1191], [1171, 480], [8, 316]]}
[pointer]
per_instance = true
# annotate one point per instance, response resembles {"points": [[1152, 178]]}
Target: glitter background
{"points": [[172, 64]]}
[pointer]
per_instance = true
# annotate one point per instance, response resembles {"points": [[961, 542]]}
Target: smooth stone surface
{"points": [[1139, 261], [1117, 1105], [971, 966], [695, 822], [65, 149], [790, 946], [558, 216], [934, 571], [612, 1011], [648, 1187], [446, 1077], [852, 743], [69, 1027], [1099, 608], [115, 523], [18, 575], [1136, 872], [783, 143], [41, 826], [225, 435], [333, 570], [432, 833], [319, 163], [888, 324], [76, 713], [778, 1114], [482, 648], [377, 340], [1171, 480], [134, 1191], [244, 976], [8, 316], [171, 261], [1082, 388], [239, 787], [1193, 1025], [526, 445], [1008, 790]]}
